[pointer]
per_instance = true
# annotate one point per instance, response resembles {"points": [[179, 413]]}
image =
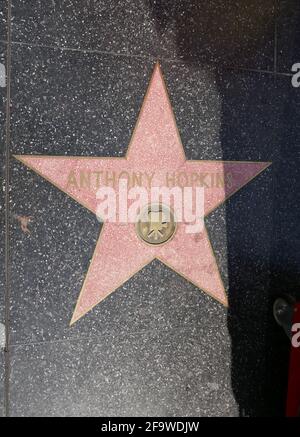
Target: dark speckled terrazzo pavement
{"points": [[158, 346], [2, 215]]}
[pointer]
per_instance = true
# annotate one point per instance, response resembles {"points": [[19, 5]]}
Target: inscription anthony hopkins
{"points": [[93, 179]]}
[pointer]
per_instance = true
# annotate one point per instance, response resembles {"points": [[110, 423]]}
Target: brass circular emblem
{"points": [[156, 224]]}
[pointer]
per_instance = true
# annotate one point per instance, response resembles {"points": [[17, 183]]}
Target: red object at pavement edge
{"points": [[293, 401]]}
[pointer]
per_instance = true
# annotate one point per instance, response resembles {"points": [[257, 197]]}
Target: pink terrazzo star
{"points": [[155, 148]]}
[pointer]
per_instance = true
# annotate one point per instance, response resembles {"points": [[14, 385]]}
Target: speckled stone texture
{"points": [[2, 223], [158, 345], [288, 34], [230, 32], [235, 33], [3, 20], [153, 372]]}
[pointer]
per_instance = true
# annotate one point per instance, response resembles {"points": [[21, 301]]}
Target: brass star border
{"points": [[155, 146]]}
